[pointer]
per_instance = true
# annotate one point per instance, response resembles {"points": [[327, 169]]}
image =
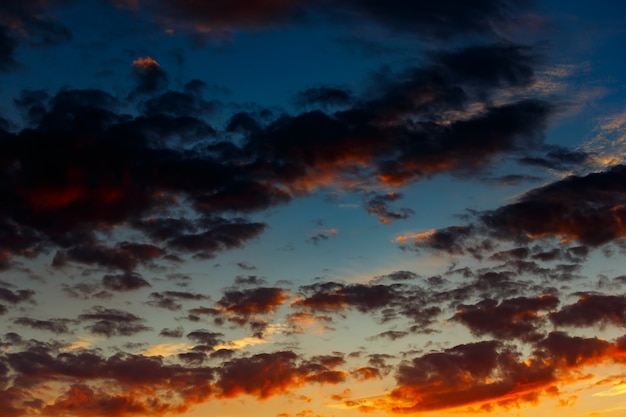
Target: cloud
{"points": [[124, 282], [489, 374], [565, 209], [208, 340], [112, 322], [176, 333], [168, 299], [149, 75], [86, 290], [252, 302], [448, 19], [58, 326], [126, 256], [250, 375], [585, 209], [16, 297], [133, 169], [591, 310], [26, 22], [377, 205], [559, 158], [322, 235], [220, 16], [511, 318], [84, 374], [332, 296]]}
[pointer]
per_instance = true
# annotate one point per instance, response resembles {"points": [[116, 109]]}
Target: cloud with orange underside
{"points": [[490, 374]]}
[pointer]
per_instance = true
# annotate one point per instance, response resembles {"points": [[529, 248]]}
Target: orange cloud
{"points": [[145, 63], [488, 375]]}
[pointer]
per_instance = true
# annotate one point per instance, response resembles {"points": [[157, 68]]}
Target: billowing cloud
{"points": [[173, 388], [251, 375], [331, 296], [512, 318], [489, 374], [592, 310], [586, 209]]}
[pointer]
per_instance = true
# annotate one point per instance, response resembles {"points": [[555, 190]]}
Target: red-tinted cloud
{"points": [[490, 374], [244, 303], [269, 374], [591, 310]]}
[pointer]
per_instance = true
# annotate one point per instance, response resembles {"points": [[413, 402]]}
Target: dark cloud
{"points": [[378, 206], [173, 388], [366, 372], [170, 299], [249, 280], [572, 351], [26, 22], [250, 302], [32, 105], [223, 16], [249, 375], [18, 240], [514, 179], [206, 338], [332, 296], [126, 256], [123, 173], [455, 377], [321, 236], [218, 234], [111, 322], [85, 290], [192, 358], [16, 297], [398, 276], [124, 282], [133, 169], [587, 209], [58, 326], [591, 310], [246, 266], [176, 333], [558, 158], [149, 75], [512, 318], [446, 19], [391, 335]]}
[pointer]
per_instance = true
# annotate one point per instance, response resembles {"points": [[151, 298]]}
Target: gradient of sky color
{"points": [[312, 208]]}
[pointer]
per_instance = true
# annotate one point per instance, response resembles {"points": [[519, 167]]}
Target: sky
{"points": [[312, 208]]}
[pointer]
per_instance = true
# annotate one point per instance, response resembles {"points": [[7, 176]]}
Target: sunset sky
{"points": [[312, 208]]}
